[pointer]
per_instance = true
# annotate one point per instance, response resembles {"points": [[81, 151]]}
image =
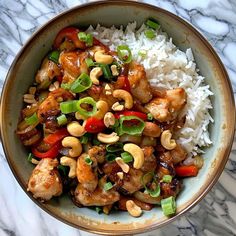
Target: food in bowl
{"points": [[116, 118]]}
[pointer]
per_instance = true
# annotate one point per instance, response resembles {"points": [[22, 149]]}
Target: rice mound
{"points": [[168, 67]]}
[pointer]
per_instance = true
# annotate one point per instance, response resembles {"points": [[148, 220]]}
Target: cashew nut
{"points": [[109, 119], [120, 175], [108, 138], [122, 164], [101, 57], [68, 161], [137, 154], [75, 129], [133, 209], [126, 96], [95, 73], [166, 140], [103, 108], [74, 144], [117, 107], [151, 130], [114, 70]]}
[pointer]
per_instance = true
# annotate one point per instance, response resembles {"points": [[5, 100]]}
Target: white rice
{"points": [[168, 67]]}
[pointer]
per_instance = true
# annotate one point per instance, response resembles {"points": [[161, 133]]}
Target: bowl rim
{"points": [[202, 193]]}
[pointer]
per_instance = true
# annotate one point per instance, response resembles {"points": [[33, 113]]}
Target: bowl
{"points": [[108, 13]]}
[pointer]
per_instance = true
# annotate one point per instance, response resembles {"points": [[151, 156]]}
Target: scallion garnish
{"points": [[88, 101], [66, 86], [107, 186], [32, 120], [152, 24], [87, 38], [81, 84], [85, 138], [124, 53], [96, 142], [152, 192], [68, 106], [88, 160], [110, 157], [127, 157], [142, 53], [54, 56], [150, 33], [89, 62], [62, 120], [130, 125], [115, 147], [30, 157], [106, 71], [167, 178], [149, 116], [98, 210], [168, 206], [63, 169]]}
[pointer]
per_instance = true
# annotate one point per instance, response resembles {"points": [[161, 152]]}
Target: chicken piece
{"points": [[99, 197], [170, 189], [50, 106], [178, 154], [45, 181], [159, 108], [87, 173], [98, 152], [177, 98], [73, 63], [47, 72], [150, 161], [140, 87], [167, 108], [166, 166]]}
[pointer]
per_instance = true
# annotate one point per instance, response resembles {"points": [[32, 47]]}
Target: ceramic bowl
{"points": [[21, 76]]}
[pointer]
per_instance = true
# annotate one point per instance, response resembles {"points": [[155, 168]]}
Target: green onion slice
{"points": [[106, 71], [107, 186], [127, 157], [66, 86], [167, 178], [62, 120], [153, 193], [85, 138], [54, 56], [81, 84], [96, 142], [89, 62], [168, 206], [68, 106], [98, 209], [110, 157], [30, 157], [32, 120], [87, 38], [115, 147], [124, 53], [150, 33], [130, 125], [152, 24], [88, 160], [88, 101], [142, 53], [149, 116]]}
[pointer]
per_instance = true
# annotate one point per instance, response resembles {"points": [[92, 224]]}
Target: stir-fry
{"points": [[98, 131]]}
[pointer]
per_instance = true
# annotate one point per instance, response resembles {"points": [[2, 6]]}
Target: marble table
{"points": [[215, 214]]}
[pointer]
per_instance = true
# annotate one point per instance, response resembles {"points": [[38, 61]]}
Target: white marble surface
{"points": [[216, 214]]}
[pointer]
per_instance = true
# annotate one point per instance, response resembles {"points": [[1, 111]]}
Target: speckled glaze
{"points": [[21, 75]]}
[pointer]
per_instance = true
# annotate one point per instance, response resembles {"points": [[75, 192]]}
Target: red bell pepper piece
{"points": [[186, 171], [70, 33], [56, 137], [51, 153], [140, 115], [94, 125]]}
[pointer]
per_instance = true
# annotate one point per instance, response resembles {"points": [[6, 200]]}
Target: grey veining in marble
{"points": [[215, 214]]}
